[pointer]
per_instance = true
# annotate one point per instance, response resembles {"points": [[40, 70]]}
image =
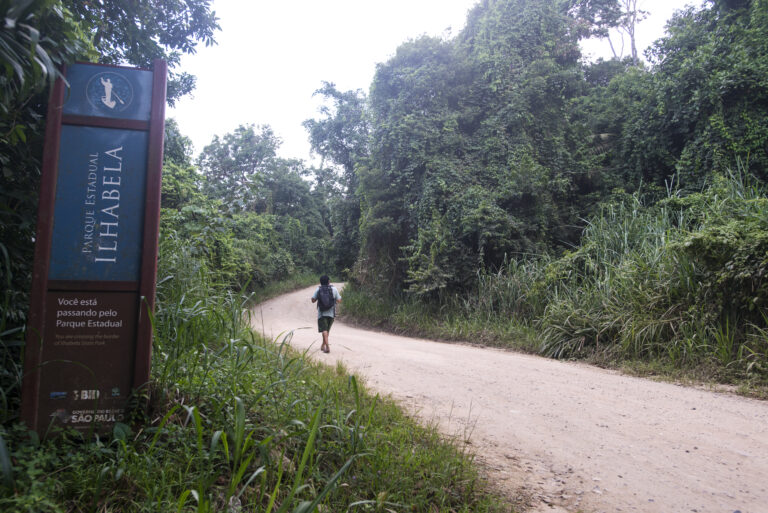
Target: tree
{"points": [[627, 24], [137, 32], [241, 170], [412, 125], [594, 17], [233, 166], [707, 100], [474, 151], [181, 181], [36, 38], [177, 148], [341, 138], [181, 185]]}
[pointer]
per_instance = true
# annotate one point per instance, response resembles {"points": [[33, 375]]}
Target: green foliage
{"points": [[680, 281], [138, 32], [291, 283], [36, 38], [240, 247], [180, 186], [614, 288], [484, 316], [11, 343], [240, 424], [702, 108], [499, 143], [408, 110], [730, 249], [594, 17], [489, 152], [430, 263], [235, 165], [474, 155], [341, 138], [242, 250], [177, 148], [263, 203], [683, 280]]}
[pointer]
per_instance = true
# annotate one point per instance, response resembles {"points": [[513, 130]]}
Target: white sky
{"points": [[273, 54]]}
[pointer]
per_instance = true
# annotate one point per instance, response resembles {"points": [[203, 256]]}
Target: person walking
{"points": [[326, 296]]}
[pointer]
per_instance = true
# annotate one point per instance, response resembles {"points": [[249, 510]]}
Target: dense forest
{"points": [[495, 175], [494, 187], [230, 421], [507, 189]]}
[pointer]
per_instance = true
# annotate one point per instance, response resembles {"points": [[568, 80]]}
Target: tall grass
{"points": [[11, 343], [618, 288], [294, 282], [683, 281], [238, 423], [459, 317]]}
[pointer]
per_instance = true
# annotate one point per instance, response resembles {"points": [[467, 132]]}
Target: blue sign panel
{"points": [[99, 211], [118, 93]]}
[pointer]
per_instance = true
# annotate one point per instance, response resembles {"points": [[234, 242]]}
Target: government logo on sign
{"points": [[109, 92]]}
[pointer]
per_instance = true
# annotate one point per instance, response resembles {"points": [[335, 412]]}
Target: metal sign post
{"points": [[89, 335]]}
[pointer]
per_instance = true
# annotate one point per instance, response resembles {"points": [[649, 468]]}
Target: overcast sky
{"points": [[273, 54]]}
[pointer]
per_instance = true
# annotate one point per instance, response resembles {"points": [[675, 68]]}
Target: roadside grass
{"points": [[11, 341], [674, 288], [706, 374], [289, 284], [406, 315], [237, 423], [409, 317]]}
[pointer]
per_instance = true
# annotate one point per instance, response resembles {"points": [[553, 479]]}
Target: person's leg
{"points": [[327, 333], [324, 326], [323, 330]]}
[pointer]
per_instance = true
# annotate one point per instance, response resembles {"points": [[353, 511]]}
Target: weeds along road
{"points": [[561, 436]]}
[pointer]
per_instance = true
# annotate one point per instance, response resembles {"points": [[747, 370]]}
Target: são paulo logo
{"points": [[109, 92]]}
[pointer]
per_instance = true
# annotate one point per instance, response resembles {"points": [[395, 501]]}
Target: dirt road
{"points": [[569, 437]]}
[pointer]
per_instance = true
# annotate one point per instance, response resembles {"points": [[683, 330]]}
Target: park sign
{"points": [[89, 333]]}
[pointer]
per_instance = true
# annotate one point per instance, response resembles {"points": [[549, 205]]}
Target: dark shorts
{"points": [[324, 324]]}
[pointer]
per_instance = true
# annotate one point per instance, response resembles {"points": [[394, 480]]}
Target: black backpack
{"points": [[325, 299]]}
